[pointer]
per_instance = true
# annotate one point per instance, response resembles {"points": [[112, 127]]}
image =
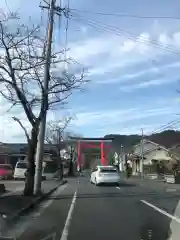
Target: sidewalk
{"points": [[13, 204], [153, 183]]}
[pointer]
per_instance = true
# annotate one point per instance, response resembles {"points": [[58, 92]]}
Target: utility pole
{"points": [[142, 153], [121, 159], [42, 129]]}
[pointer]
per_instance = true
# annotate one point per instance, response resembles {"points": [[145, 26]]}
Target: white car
{"points": [[105, 174], [20, 169]]}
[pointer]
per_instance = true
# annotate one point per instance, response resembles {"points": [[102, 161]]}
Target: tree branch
{"points": [[24, 129]]}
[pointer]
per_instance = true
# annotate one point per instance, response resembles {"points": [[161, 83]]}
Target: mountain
{"points": [[166, 138]]}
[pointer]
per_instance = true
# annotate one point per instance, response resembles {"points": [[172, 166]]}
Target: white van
{"points": [[20, 169]]}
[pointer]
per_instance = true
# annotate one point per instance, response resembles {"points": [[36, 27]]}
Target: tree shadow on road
{"points": [[122, 184], [100, 195]]}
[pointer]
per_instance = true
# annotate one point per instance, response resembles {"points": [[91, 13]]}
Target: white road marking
{"points": [[161, 211], [170, 190], [46, 204], [51, 236], [118, 188], [68, 219]]}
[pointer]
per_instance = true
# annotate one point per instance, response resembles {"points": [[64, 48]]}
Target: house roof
{"points": [[153, 143], [156, 146], [18, 148]]}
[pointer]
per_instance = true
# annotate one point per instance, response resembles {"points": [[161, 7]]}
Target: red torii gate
{"points": [[85, 143]]}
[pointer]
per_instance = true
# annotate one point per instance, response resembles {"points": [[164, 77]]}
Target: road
{"points": [[80, 210]]}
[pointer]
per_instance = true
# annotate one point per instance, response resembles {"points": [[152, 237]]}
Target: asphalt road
{"points": [[83, 211]]}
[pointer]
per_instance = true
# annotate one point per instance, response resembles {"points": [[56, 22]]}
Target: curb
{"points": [[32, 204]]}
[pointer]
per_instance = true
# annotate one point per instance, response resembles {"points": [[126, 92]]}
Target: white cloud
{"points": [[86, 118], [83, 29], [126, 77], [129, 120], [115, 47], [10, 131], [107, 53], [83, 50], [146, 84], [112, 117]]}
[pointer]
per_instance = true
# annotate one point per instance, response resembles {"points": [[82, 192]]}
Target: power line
{"points": [[7, 5], [165, 126], [117, 31], [125, 15], [102, 29], [105, 27], [123, 33]]}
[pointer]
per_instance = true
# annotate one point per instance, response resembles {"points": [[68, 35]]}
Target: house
{"points": [[4, 154], [10, 153], [151, 152]]}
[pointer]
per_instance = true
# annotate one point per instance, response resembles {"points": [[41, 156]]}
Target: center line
{"points": [[68, 219]]}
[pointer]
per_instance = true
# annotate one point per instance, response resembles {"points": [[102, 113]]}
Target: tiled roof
{"points": [[15, 148]]}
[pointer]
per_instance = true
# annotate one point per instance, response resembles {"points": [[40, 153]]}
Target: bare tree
{"points": [[21, 78], [54, 136], [71, 150]]}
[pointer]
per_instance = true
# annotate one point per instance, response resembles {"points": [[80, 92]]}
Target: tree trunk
{"points": [[60, 166], [71, 170], [29, 182]]}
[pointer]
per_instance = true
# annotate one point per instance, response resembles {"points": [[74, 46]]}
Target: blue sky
{"points": [[134, 68]]}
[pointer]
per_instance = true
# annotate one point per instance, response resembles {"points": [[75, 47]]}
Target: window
{"points": [[94, 169], [22, 165], [108, 170]]}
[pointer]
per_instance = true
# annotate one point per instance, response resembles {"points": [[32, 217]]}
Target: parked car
{"points": [[20, 169], [6, 171], [43, 176], [105, 174]]}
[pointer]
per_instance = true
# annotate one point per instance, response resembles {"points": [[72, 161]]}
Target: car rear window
{"points": [[21, 165], [108, 170]]}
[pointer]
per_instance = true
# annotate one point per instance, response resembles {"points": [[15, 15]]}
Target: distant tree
{"points": [[55, 136], [167, 138]]}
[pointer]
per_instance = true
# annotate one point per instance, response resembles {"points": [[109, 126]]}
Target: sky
{"points": [[131, 55]]}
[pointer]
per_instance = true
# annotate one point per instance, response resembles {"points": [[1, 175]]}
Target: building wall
{"points": [[4, 159], [156, 155], [46, 158], [151, 151]]}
